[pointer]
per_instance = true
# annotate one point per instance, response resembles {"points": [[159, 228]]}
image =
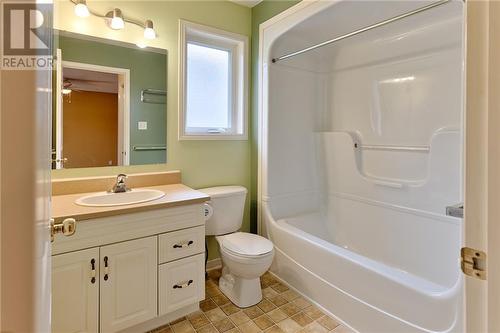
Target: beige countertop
{"points": [[63, 206]]}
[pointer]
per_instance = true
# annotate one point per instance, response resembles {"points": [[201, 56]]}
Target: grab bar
{"points": [[154, 92], [397, 148], [144, 148]]}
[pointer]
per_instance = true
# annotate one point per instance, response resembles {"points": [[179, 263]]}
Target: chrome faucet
{"points": [[120, 185]]}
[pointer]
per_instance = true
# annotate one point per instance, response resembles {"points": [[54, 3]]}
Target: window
{"points": [[213, 84]]}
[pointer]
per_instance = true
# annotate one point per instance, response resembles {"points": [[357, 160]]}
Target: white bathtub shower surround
{"points": [[361, 152]]}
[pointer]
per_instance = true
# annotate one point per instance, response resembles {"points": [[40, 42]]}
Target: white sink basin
{"points": [[105, 199]]}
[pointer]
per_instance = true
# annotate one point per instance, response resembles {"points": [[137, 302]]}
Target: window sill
{"points": [[213, 137]]}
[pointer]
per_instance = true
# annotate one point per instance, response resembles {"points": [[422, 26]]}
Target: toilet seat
{"points": [[245, 245]]}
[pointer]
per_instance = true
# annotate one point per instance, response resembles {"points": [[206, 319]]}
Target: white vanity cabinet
{"points": [[149, 269]]}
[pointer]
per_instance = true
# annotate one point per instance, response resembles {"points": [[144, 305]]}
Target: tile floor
{"points": [[281, 311]]}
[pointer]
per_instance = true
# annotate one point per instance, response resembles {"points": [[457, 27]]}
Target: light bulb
{"points": [[149, 32], [81, 9], [66, 91], [116, 17]]}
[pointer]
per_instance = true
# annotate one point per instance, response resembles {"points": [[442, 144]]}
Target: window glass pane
{"points": [[207, 87]]}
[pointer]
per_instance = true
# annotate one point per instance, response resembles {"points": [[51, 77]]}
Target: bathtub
{"points": [[360, 153], [366, 294]]}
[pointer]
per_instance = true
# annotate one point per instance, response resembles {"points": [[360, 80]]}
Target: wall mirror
{"points": [[109, 103]]}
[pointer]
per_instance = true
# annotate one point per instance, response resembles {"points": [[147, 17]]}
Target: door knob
{"points": [[67, 227]]}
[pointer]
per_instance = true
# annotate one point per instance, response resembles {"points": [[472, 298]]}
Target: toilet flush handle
{"points": [[208, 210]]}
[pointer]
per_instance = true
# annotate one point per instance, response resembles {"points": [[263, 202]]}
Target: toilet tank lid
{"points": [[223, 191]]}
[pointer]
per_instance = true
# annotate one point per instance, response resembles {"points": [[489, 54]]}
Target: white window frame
{"points": [[237, 46]]}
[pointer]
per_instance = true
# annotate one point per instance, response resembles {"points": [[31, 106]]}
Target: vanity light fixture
{"points": [[115, 20], [149, 32], [81, 9]]}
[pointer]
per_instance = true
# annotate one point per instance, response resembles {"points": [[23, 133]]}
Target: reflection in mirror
{"points": [[109, 103]]}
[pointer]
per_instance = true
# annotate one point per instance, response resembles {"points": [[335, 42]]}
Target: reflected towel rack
{"points": [[145, 148], [357, 32], [423, 149], [154, 92]]}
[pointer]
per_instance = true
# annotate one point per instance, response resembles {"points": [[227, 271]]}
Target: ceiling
{"points": [[247, 3]]}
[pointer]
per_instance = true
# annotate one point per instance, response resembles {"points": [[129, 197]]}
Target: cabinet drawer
{"points": [[180, 244], [181, 283]]}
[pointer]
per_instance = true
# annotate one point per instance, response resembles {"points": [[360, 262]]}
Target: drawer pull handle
{"points": [[106, 276], [92, 264], [183, 245], [183, 285]]}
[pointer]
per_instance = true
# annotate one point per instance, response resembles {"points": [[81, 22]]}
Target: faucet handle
{"points": [[121, 178]]}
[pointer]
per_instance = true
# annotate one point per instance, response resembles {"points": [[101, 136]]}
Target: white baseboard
{"points": [[214, 264]]}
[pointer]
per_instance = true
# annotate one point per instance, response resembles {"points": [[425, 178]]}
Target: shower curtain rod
{"points": [[356, 32]]}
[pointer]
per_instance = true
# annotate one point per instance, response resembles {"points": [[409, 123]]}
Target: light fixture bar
{"points": [[148, 24]]}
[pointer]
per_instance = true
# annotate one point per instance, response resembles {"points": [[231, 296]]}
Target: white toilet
{"points": [[245, 256]]}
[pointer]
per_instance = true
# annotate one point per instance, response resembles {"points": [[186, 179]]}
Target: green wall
{"points": [[260, 13], [147, 70], [203, 163]]}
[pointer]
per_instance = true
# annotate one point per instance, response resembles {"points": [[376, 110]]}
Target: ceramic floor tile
{"points": [[314, 327], [239, 318], [328, 322], [207, 329], [263, 322], [302, 319], [266, 306], [230, 308], [301, 302], [274, 329], [207, 305], [278, 300], [279, 287], [183, 327], [223, 325], [249, 327], [253, 312], [290, 295], [215, 315], [269, 292], [313, 312], [290, 309], [198, 320], [277, 315], [289, 326], [220, 300]]}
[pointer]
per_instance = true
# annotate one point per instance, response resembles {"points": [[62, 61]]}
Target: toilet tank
{"points": [[227, 204]]}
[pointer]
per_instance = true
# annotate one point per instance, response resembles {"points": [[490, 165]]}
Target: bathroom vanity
{"points": [[130, 267]]}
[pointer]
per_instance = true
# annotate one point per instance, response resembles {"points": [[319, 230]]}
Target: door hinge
{"points": [[473, 263]]}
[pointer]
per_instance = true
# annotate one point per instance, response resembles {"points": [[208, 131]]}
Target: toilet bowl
{"points": [[245, 256], [243, 265]]}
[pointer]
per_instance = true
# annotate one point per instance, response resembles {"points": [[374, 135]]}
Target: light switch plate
{"points": [[142, 125]]}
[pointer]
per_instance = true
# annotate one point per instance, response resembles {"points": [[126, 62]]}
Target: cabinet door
{"points": [[128, 283], [75, 295]]}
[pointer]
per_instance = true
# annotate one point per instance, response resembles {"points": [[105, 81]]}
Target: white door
{"points": [[59, 111], [128, 281], [75, 292]]}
